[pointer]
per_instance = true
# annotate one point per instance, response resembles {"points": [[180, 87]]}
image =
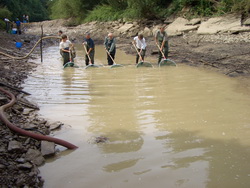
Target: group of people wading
{"points": [[68, 53]]}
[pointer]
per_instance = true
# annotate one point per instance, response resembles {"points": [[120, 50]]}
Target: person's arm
{"points": [[112, 46], [68, 44], [136, 41], [65, 50], [106, 43], [71, 45], [141, 42], [90, 49], [164, 41], [156, 35], [62, 47], [91, 46], [84, 43], [144, 44], [162, 44]]}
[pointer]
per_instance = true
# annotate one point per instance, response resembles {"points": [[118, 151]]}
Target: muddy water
{"points": [[171, 127]]}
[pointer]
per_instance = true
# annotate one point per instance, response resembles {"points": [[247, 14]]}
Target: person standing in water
{"points": [[65, 46], [161, 38], [90, 47], [141, 45], [110, 46]]}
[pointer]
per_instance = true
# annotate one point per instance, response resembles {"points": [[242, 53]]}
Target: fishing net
{"points": [[144, 64], [167, 62]]}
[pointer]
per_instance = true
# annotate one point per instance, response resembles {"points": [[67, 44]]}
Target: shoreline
{"points": [[20, 155], [214, 52]]}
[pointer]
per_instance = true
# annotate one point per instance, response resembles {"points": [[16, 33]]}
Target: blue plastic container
{"points": [[14, 31], [19, 44]]}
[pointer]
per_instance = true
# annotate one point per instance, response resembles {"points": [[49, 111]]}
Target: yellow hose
{"points": [[10, 56]]}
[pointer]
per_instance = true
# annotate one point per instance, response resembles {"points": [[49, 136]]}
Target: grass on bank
{"points": [[186, 8], [80, 11]]}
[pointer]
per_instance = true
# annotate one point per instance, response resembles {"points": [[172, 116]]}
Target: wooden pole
{"points": [[41, 44]]}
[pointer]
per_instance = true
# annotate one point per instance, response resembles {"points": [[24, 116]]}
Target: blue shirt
{"points": [[90, 43], [18, 23]]}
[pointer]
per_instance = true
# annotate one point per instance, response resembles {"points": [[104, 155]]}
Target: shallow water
{"points": [[170, 127]]}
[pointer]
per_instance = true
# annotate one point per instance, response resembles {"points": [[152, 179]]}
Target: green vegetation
{"points": [[76, 9], [4, 12], [108, 10], [36, 9], [104, 13]]}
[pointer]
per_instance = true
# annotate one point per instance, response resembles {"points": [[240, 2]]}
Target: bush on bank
{"points": [[81, 11], [4, 13], [160, 9]]}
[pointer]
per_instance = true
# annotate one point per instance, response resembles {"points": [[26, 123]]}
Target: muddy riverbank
{"points": [[20, 156], [225, 52]]}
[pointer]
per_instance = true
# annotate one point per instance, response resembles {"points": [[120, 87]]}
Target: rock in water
{"points": [[101, 139]]}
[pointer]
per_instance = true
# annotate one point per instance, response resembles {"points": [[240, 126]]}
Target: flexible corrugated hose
{"points": [[27, 133], [13, 57]]}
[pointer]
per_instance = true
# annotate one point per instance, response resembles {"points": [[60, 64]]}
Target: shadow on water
{"points": [[227, 161]]}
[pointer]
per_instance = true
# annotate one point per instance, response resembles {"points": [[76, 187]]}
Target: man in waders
{"points": [[161, 39], [90, 47], [141, 45], [109, 44], [65, 46]]}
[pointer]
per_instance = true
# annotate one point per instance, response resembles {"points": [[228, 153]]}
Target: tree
{"points": [[34, 8]]}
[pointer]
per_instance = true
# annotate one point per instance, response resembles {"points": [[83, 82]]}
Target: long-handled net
{"points": [[114, 64], [141, 63], [91, 65], [165, 61]]}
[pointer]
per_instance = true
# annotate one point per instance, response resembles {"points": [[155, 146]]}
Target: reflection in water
{"points": [[226, 162], [115, 167], [171, 127]]}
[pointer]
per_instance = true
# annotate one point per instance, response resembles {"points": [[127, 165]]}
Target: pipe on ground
{"points": [[27, 133]]}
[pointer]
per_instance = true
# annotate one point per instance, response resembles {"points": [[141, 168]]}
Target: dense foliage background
{"points": [[107, 10]]}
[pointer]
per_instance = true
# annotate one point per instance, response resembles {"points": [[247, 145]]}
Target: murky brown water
{"points": [[170, 127]]}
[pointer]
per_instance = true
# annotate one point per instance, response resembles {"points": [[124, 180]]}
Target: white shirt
{"points": [[64, 45], [140, 44]]}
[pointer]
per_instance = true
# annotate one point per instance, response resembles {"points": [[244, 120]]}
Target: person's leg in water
{"points": [[65, 57], [92, 55], [137, 59], [143, 53], [159, 56], [86, 60], [110, 61], [165, 50], [137, 56]]}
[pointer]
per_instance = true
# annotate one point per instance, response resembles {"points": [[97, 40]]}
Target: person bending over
{"points": [[110, 45], [141, 45], [65, 47]]}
